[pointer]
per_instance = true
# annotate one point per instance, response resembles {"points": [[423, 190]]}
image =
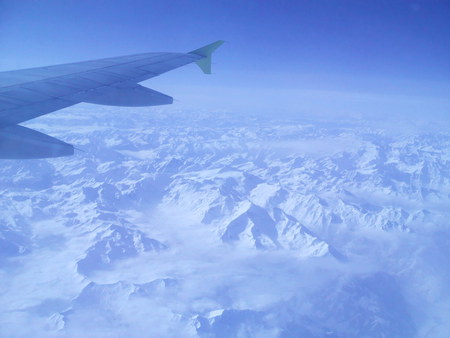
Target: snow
{"points": [[215, 224]]}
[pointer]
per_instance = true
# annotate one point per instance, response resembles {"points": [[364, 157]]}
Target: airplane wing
{"points": [[28, 93]]}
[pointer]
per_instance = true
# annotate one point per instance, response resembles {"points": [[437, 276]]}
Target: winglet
{"points": [[206, 52]]}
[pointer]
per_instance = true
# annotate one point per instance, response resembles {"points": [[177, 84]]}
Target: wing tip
{"points": [[205, 52]]}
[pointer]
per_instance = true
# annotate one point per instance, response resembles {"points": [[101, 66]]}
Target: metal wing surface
{"points": [[28, 93]]}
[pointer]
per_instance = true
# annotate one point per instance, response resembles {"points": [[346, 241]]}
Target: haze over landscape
{"points": [[302, 190]]}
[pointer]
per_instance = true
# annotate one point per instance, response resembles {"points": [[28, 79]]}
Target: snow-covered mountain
{"points": [[186, 224]]}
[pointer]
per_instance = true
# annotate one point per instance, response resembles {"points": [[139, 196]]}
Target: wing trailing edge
{"points": [[18, 142], [128, 96]]}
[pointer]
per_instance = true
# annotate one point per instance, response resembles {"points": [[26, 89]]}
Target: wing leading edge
{"points": [[29, 93]]}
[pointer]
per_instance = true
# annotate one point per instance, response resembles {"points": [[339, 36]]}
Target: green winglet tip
{"points": [[206, 52]]}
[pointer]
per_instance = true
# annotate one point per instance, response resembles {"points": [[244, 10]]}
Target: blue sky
{"points": [[356, 57]]}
